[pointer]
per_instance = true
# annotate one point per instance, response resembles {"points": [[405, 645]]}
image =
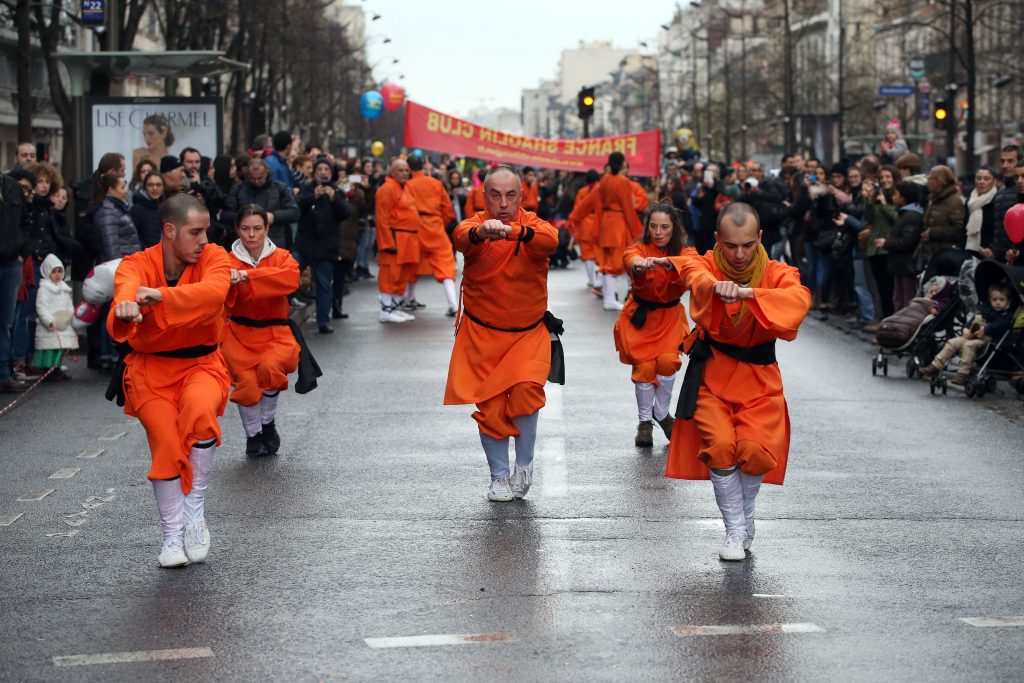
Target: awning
{"points": [[171, 64]]}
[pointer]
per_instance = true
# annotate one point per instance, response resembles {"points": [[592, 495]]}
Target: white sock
{"points": [[644, 400], [496, 451], [751, 485], [250, 419], [201, 459], [663, 396], [170, 503], [449, 291], [526, 442], [608, 290], [591, 269], [268, 407], [410, 291], [729, 496]]}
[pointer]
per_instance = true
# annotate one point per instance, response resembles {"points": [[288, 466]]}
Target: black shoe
{"points": [[336, 314], [254, 446], [271, 439], [106, 366], [13, 386], [326, 329]]}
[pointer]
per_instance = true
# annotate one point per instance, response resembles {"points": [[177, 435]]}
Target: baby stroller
{"points": [[1003, 358], [915, 333]]}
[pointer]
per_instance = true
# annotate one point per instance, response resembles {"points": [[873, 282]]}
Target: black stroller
{"points": [[915, 334]]}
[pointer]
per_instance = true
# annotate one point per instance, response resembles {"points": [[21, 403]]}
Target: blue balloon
{"points": [[417, 152], [371, 104]]}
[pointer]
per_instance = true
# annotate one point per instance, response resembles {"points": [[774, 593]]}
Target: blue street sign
{"points": [[895, 90], [93, 13]]}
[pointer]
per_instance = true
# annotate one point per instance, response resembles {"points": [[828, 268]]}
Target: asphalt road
{"points": [[367, 550]]}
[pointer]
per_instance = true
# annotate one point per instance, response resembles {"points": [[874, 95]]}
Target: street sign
{"points": [[916, 67], [895, 90], [93, 12]]}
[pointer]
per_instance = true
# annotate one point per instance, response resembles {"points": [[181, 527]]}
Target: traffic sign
{"points": [[916, 67], [895, 90]]}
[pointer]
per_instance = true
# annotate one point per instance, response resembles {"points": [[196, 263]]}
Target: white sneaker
{"points": [[197, 543], [172, 554], [500, 490], [750, 535], [610, 306], [407, 316], [521, 480], [394, 316], [732, 550]]}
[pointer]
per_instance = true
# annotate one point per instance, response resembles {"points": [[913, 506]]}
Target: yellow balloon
{"points": [[377, 148]]}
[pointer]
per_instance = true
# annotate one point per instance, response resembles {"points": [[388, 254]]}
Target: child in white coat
{"points": [[54, 309]]}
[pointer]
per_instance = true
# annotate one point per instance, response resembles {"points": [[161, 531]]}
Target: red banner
{"points": [[428, 129]]}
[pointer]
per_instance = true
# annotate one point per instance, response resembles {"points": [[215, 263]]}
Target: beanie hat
{"points": [[169, 163]]}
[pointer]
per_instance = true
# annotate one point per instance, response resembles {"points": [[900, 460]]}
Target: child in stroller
{"points": [[919, 328]]}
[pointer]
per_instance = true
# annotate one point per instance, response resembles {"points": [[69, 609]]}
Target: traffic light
{"points": [[585, 102], [940, 114]]}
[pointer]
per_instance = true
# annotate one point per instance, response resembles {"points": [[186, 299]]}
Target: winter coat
{"points": [[146, 219], [319, 234], [350, 228], [275, 198], [998, 322], [1005, 198], [12, 212], [118, 236], [903, 241], [882, 218], [46, 231], [279, 170], [944, 219], [54, 305]]}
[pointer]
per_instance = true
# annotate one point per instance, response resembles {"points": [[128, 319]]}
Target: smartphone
{"points": [[709, 177], [355, 180], [813, 178]]}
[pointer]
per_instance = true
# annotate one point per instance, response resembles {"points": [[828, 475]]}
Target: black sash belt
{"points": [[554, 326], [115, 387], [643, 306], [762, 354], [309, 370]]}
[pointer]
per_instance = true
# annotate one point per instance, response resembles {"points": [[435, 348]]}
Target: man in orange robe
{"points": [[531, 190], [503, 352], [475, 199], [398, 242], [618, 225], [435, 209], [168, 307], [732, 424], [585, 235]]}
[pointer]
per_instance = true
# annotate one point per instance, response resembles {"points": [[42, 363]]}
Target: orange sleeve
{"points": [[461, 235], [127, 280], [640, 200], [385, 201], [781, 309], [584, 208], [706, 309], [184, 304], [544, 240], [624, 194], [267, 281], [447, 211]]}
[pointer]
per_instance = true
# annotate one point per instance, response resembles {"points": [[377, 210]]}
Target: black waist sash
{"points": [[309, 370], [700, 352], [115, 387], [643, 306], [554, 326]]}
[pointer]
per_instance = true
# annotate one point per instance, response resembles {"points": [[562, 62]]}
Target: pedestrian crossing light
{"points": [[940, 114], [585, 101]]}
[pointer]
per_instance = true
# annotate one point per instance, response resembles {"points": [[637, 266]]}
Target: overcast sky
{"points": [[460, 54]]}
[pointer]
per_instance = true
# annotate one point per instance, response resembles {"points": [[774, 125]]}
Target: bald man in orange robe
{"points": [[503, 351], [168, 307], [531, 190], [618, 225], [732, 423], [398, 241], [584, 231], [435, 209]]}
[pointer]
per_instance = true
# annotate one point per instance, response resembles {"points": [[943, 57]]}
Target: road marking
{"points": [[768, 595], [140, 656], [439, 639], [34, 495], [9, 519], [112, 436], [555, 470], [746, 629], [65, 472], [91, 453], [993, 622]]}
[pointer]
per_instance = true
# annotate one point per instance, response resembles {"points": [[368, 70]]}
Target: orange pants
{"points": [[666, 364], [730, 437], [251, 383], [609, 260], [494, 416], [172, 429], [393, 278], [436, 254], [588, 250]]}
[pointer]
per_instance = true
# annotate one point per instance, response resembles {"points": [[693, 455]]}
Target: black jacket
{"points": [[46, 232], [118, 236], [275, 198], [147, 221], [1005, 198], [903, 240], [319, 234], [998, 322], [12, 212]]}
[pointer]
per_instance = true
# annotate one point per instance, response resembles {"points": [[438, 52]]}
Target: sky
{"points": [[458, 55]]}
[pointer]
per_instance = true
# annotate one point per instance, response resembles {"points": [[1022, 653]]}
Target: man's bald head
{"points": [[738, 232], [503, 193], [399, 170]]}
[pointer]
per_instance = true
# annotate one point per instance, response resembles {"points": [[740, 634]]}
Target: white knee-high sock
{"points": [[663, 396], [609, 288], [496, 451], [449, 291], [751, 486], [644, 400], [591, 269], [268, 406], [201, 459], [410, 291], [250, 419], [729, 496], [170, 503], [526, 442]]}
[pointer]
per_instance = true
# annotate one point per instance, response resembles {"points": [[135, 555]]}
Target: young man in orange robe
{"points": [[503, 350], [531, 190], [168, 307], [398, 242], [617, 224], [585, 235], [436, 256], [732, 423]]}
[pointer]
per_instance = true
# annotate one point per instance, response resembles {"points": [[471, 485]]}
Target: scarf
{"points": [[750, 277], [974, 217]]}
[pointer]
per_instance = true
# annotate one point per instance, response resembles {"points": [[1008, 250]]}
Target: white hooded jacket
{"points": [[54, 305]]}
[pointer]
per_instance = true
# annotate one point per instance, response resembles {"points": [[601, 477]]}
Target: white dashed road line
{"points": [[91, 453], [140, 656], [34, 495], [993, 622], [65, 472], [440, 639], [112, 436], [9, 519], [746, 629]]}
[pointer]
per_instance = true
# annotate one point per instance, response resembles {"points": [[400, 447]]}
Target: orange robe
{"points": [[615, 218], [531, 197], [475, 201], [260, 358], [741, 417], [505, 285], [398, 226], [653, 349], [177, 400], [585, 236], [435, 210], [640, 199]]}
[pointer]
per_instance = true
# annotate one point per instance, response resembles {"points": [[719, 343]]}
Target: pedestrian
{"points": [[1003, 248], [893, 146], [260, 347], [475, 199], [880, 215], [732, 424], [145, 207], [139, 175], [531, 190], [586, 233], [979, 219], [13, 208], [457, 195], [653, 323], [943, 222], [901, 243], [398, 224], [503, 350], [259, 188], [118, 235], [277, 160], [54, 309], [173, 172], [25, 155], [436, 256], [322, 208], [169, 307]]}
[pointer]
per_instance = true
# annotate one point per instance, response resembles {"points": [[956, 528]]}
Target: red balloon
{"points": [[394, 96], [1014, 223]]}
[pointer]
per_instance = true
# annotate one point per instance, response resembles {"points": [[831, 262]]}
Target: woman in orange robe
{"points": [[618, 225], [653, 322], [259, 347], [584, 231]]}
